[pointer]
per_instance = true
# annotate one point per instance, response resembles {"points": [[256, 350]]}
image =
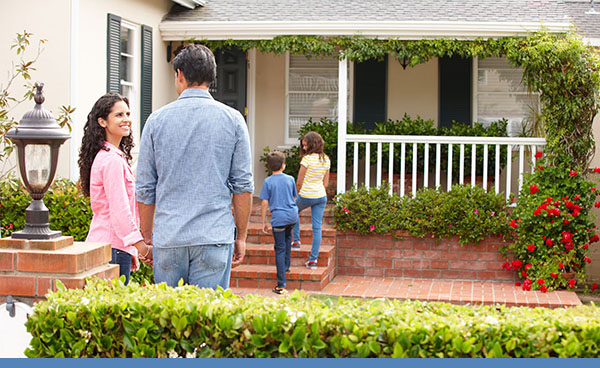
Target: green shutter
{"points": [[113, 54], [146, 85]]}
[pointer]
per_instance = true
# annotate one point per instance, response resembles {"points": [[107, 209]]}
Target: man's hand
{"points": [[239, 251]]}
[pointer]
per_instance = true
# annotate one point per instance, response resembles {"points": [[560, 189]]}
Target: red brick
{"points": [[50, 262], [73, 282], [394, 254], [364, 262], [393, 272], [375, 253], [345, 262], [403, 244], [412, 273], [486, 275], [10, 243], [17, 285], [450, 255], [494, 247], [374, 272], [431, 274], [402, 263], [442, 265], [489, 256], [346, 243], [413, 254], [385, 263], [245, 283], [420, 265], [44, 285], [312, 286], [422, 245], [358, 253], [54, 244], [7, 261], [431, 254], [384, 244]]}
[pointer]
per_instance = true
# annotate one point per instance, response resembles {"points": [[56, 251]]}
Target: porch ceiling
{"points": [[405, 19]]}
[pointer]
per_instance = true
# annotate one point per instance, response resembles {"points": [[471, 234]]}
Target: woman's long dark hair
{"points": [[314, 144], [94, 137]]}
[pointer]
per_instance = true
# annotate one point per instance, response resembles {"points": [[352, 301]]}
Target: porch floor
{"points": [[449, 291]]}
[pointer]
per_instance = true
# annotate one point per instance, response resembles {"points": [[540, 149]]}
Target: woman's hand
{"points": [[135, 264]]}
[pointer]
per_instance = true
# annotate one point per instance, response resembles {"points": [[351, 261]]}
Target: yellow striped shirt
{"points": [[312, 186]]}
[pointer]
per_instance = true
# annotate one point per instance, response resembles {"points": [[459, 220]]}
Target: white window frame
{"points": [[134, 84], [475, 81], [288, 142]]}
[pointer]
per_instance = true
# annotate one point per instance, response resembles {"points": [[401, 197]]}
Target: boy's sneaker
{"points": [[296, 245], [311, 264]]}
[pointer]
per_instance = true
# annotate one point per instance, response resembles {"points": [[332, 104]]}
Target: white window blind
{"points": [[501, 93], [312, 91]]}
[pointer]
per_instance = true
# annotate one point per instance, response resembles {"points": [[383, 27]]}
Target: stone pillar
{"points": [[29, 268]]}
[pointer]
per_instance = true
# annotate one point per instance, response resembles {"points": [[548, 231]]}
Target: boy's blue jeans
{"points": [[283, 250], [317, 208]]}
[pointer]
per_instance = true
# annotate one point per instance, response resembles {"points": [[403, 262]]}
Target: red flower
{"points": [[514, 224], [517, 283], [537, 212], [531, 248], [596, 169], [543, 289], [565, 222], [585, 246], [538, 155], [506, 266], [577, 197], [587, 259], [516, 264], [571, 284], [527, 284], [554, 275], [594, 286], [524, 274], [534, 189], [549, 242], [528, 266], [549, 200], [346, 210], [594, 238], [573, 173], [371, 228], [561, 266], [540, 281], [597, 204], [540, 168]]}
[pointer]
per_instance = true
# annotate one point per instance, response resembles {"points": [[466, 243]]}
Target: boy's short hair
{"points": [[275, 160]]}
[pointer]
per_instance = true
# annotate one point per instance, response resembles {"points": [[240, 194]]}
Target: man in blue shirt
{"points": [[279, 194], [194, 163]]}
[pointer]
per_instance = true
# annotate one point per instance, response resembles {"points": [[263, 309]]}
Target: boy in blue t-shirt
{"points": [[279, 194]]}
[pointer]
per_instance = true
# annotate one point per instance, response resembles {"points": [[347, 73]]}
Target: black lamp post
{"points": [[38, 138]]}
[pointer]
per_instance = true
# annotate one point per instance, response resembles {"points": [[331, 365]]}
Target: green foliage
{"points": [[555, 227], [467, 212], [560, 67], [69, 209], [109, 320], [292, 160]]}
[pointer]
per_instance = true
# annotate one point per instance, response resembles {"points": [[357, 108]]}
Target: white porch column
{"points": [[342, 121]]}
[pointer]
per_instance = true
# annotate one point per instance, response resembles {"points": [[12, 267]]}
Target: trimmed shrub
{"points": [[109, 320], [468, 212]]}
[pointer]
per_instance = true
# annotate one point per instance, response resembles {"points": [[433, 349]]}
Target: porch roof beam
{"points": [[186, 30]]}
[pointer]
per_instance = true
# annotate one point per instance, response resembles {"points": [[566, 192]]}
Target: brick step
{"points": [[265, 277], [328, 234], [264, 254]]}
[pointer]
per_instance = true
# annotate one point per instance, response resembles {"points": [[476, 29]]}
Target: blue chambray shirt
{"points": [[194, 153]]}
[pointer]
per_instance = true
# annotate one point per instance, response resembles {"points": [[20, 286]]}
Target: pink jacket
{"points": [[112, 196]]}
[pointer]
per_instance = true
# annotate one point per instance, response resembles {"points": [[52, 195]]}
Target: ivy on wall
{"points": [[564, 70]]}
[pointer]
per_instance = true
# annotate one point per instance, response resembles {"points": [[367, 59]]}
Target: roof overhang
{"points": [[199, 30], [190, 4]]}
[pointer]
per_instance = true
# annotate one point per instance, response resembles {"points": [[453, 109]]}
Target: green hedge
{"points": [[107, 320], [468, 212]]}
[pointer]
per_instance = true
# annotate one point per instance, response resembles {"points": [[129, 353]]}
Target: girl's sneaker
{"points": [[311, 264], [296, 245]]}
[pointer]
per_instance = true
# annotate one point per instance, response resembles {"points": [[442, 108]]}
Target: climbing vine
{"points": [[564, 70]]}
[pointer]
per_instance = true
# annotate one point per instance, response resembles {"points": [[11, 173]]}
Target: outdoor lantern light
{"points": [[38, 138]]}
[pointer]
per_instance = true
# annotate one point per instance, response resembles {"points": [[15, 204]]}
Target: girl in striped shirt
{"points": [[313, 178]]}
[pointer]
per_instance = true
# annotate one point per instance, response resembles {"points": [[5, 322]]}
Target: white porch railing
{"points": [[434, 165]]}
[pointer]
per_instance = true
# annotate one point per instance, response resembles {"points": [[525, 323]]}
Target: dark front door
{"points": [[230, 86]]}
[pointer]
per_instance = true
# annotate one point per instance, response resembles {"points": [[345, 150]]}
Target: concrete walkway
{"points": [[456, 292]]}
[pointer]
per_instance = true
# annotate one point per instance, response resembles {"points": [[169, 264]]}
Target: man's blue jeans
{"points": [[123, 259], [283, 251], [206, 266], [317, 208]]}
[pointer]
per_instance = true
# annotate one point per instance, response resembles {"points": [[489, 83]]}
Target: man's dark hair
{"points": [[197, 63], [275, 160]]}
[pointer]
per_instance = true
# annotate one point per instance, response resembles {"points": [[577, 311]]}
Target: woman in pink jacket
{"points": [[107, 179]]}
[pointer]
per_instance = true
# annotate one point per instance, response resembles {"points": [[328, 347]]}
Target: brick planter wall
{"points": [[380, 255]]}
